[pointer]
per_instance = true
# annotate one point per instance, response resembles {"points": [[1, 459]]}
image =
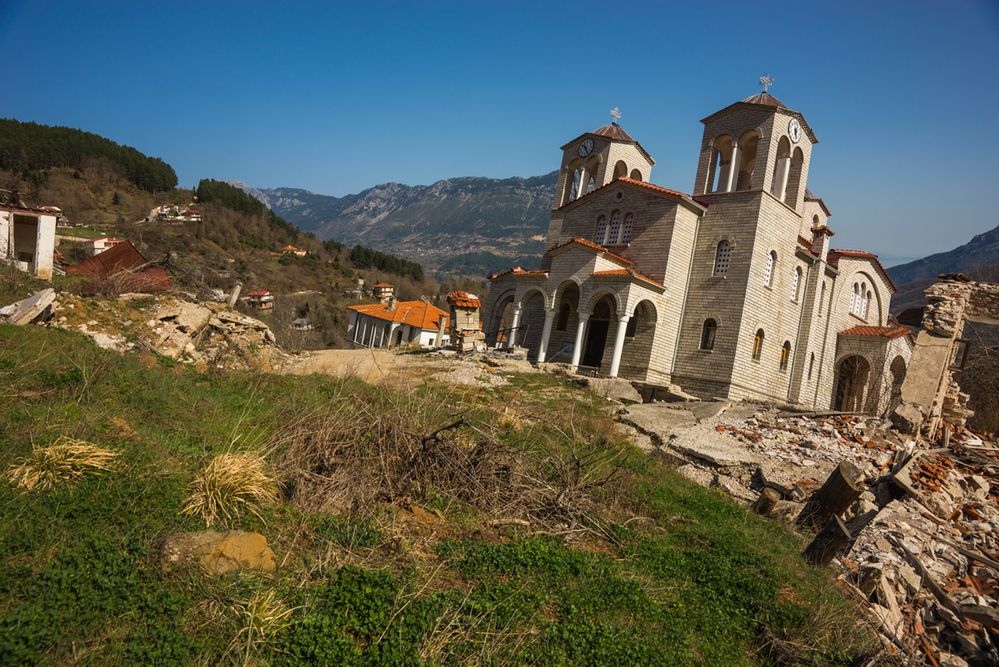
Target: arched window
{"points": [[600, 235], [708, 334], [620, 169], [855, 302], [794, 178], [591, 185], [862, 300], [785, 354], [815, 221], [721, 162], [636, 175], [822, 297], [577, 178], [758, 345], [782, 167], [747, 160], [795, 283], [768, 272], [811, 365], [867, 303], [614, 231], [564, 311], [628, 229], [723, 255]]}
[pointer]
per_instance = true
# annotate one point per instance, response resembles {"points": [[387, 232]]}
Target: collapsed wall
{"points": [[930, 392]]}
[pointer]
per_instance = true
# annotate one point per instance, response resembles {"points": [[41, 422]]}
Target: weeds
{"points": [[230, 484], [261, 619], [65, 460]]}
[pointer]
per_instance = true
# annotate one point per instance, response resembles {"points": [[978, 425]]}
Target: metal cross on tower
{"points": [[766, 81], [615, 114]]}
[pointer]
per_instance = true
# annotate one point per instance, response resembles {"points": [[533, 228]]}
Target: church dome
{"points": [[613, 131], [766, 99]]}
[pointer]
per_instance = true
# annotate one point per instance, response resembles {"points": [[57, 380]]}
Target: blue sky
{"points": [[336, 97]]}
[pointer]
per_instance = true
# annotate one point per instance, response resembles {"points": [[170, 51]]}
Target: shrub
{"points": [[64, 460], [230, 484]]}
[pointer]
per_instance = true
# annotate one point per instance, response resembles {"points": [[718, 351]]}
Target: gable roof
{"points": [[676, 195], [119, 258], [614, 132], [463, 300], [629, 274], [419, 314], [589, 245], [769, 102], [896, 331], [835, 254]]}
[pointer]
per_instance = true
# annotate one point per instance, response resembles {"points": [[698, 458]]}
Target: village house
{"points": [[731, 291], [393, 323], [97, 246], [175, 213], [27, 235], [383, 291], [260, 299], [292, 250]]}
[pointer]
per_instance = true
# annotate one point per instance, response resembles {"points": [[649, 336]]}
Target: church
{"points": [[732, 291]]}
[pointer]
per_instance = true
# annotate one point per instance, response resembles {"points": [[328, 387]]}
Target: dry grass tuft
{"points": [[64, 460], [231, 483], [260, 619]]}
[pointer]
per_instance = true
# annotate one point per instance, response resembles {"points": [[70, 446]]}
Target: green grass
{"points": [[696, 580]]}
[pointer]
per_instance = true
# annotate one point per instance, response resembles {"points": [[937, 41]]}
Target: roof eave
{"points": [[797, 114]]}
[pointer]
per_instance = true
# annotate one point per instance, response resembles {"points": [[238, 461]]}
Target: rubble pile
{"points": [[927, 559]]}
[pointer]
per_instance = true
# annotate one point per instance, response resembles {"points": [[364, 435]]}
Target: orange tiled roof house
{"points": [[394, 323], [732, 291]]}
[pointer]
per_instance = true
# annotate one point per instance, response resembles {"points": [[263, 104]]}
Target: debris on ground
{"points": [[37, 307], [925, 558]]}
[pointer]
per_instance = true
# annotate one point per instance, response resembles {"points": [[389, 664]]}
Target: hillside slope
{"points": [[978, 258], [461, 225]]}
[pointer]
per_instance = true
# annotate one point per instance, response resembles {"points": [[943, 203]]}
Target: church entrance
{"points": [[851, 381], [596, 335]]}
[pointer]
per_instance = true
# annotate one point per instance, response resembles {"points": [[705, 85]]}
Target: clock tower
{"points": [[594, 159]]}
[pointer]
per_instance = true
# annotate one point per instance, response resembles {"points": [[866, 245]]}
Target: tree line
{"points": [[32, 146], [209, 190], [367, 258]]}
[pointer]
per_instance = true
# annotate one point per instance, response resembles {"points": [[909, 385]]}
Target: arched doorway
{"points": [[596, 332], [500, 322], [897, 370], [532, 318], [563, 333], [851, 384], [638, 340]]}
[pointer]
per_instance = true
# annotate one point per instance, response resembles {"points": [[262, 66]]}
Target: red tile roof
{"points": [[836, 253], [647, 186], [613, 131], [766, 99], [802, 241], [419, 314], [879, 332], [120, 258], [592, 246], [463, 300], [631, 273], [259, 292], [381, 285]]}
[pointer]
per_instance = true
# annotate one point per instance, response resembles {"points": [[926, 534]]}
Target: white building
{"points": [[27, 235], [396, 323]]}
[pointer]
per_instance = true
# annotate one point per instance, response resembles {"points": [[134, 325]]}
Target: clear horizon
{"points": [[337, 98]]}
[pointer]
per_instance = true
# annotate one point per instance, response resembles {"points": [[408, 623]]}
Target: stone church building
{"points": [[732, 291]]}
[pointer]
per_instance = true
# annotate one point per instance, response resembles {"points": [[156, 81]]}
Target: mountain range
{"points": [[465, 226]]}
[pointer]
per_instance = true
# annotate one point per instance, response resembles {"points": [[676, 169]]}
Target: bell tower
{"points": [[756, 144], [594, 159]]}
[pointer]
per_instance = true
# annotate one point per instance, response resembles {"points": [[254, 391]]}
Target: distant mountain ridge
{"points": [[469, 225], [979, 258]]}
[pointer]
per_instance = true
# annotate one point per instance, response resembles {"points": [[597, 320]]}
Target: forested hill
{"points": [[31, 146], [465, 225]]}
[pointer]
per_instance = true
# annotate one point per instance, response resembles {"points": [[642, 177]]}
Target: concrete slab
{"points": [[706, 410]]}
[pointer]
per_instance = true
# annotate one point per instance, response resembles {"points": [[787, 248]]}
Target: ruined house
{"points": [[465, 325], [731, 291], [27, 235], [121, 268]]}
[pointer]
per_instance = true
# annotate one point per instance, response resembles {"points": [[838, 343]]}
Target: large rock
{"points": [[218, 552], [907, 418], [187, 317], [616, 389]]}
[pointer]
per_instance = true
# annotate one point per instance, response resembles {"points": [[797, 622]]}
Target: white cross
{"points": [[766, 81], [615, 114]]}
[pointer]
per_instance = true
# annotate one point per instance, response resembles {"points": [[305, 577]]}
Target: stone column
{"points": [[512, 340], [781, 173], [546, 333], [577, 349], [622, 328], [733, 169]]}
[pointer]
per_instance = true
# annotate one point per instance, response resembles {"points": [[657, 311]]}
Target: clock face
{"points": [[586, 147], [794, 129]]}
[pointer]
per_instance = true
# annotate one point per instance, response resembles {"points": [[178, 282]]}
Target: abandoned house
{"points": [[392, 323], [121, 268], [27, 235], [732, 291], [260, 299], [465, 326]]}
